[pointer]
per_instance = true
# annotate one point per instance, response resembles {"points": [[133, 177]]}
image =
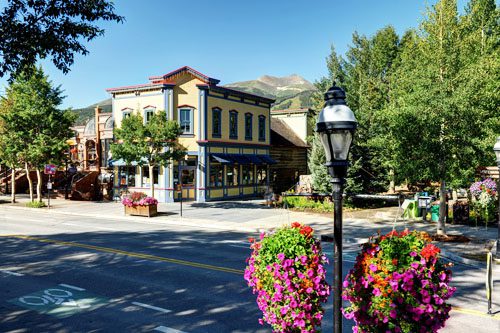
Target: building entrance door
{"points": [[187, 177]]}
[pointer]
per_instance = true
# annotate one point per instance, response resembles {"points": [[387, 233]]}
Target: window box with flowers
{"points": [[139, 204]]}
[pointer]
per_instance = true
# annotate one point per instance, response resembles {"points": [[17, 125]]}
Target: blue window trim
{"points": [[191, 120], [262, 123], [216, 132], [233, 113], [248, 135]]}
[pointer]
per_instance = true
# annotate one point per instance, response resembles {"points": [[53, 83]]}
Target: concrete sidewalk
{"points": [[252, 216]]}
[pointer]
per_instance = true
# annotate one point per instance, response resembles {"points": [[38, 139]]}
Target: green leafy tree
{"points": [[154, 143], [365, 75], [10, 141], [38, 29], [444, 106], [316, 160], [33, 119]]}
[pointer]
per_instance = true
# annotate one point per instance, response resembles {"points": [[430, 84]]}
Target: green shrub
{"points": [[36, 204], [307, 203]]}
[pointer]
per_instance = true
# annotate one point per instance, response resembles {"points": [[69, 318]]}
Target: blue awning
{"points": [[121, 163], [254, 159], [240, 159], [222, 158], [266, 159]]}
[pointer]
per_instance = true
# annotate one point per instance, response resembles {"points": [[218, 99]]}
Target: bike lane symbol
{"points": [[59, 302]]}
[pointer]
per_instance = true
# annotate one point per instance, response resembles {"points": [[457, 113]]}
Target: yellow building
{"points": [[226, 133]]}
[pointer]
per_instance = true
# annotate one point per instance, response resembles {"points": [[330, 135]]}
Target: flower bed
{"points": [[398, 284], [286, 271], [138, 203]]}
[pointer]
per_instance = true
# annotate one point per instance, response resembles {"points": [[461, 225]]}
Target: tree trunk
{"points": [[30, 182], [152, 181], [13, 186], [39, 185], [392, 182], [441, 230]]}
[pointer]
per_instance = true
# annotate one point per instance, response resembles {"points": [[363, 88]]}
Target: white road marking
{"points": [[71, 287], [240, 246], [147, 306], [96, 227], [167, 330], [11, 273]]}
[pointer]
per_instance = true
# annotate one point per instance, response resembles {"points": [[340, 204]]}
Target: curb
{"points": [[461, 260], [160, 222]]}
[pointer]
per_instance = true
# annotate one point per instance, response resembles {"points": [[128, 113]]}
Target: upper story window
{"points": [[126, 113], [233, 124], [186, 120], [248, 126], [148, 113], [262, 128], [216, 122]]}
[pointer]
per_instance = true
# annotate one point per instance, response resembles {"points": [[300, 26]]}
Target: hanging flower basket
{"points": [[140, 204], [286, 271], [398, 284]]}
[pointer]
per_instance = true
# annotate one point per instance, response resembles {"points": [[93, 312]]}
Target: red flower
{"points": [[251, 239], [296, 225], [306, 231], [430, 250]]}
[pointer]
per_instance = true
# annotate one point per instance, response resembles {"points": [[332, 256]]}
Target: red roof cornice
{"points": [[188, 69]]}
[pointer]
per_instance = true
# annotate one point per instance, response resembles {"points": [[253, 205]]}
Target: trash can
{"points": [[435, 213]]}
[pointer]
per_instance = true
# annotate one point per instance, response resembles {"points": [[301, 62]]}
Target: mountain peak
{"points": [[290, 80], [292, 91]]}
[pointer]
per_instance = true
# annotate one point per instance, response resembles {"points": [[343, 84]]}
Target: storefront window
{"points": [[233, 124], [216, 174], [232, 175], [262, 175], [127, 176], [247, 174], [146, 178]]}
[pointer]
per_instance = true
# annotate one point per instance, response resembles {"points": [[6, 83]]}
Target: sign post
{"points": [[50, 169], [179, 195]]}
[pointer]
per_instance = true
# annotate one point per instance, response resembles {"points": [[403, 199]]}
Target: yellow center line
{"points": [[475, 313], [130, 254], [191, 264]]}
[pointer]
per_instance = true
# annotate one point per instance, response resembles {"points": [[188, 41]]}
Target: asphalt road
{"points": [[62, 273]]}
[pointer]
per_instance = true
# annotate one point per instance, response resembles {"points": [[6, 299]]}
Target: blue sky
{"points": [[231, 40]]}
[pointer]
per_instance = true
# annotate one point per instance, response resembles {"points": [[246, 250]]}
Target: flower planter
{"points": [[149, 210], [398, 284]]}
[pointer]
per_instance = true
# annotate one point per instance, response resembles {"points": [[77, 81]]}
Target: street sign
{"points": [[49, 186], [50, 169]]}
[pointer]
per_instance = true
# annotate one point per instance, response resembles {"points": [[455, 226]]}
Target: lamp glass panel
{"points": [[341, 142], [496, 149], [497, 152], [325, 136]]}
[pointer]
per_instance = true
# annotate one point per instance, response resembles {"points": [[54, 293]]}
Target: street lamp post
{"points": [[336, 126], [496, 149]]}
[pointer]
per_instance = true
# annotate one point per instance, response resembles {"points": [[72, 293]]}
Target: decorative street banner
{"points": [[50, 169]]}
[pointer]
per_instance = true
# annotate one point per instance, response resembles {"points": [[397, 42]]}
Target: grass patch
{"points": [[36, 204]]}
